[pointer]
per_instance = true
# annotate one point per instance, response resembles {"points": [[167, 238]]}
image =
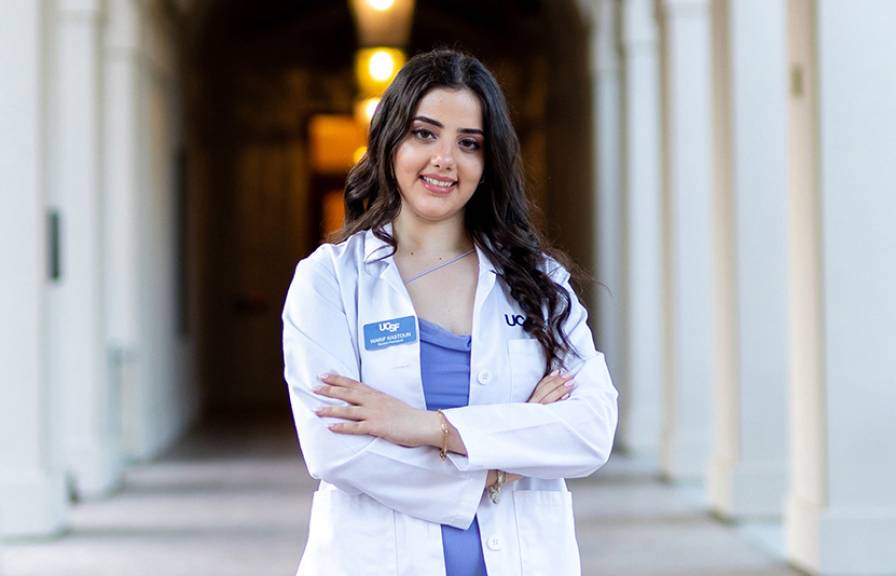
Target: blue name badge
{"points": [[390, 332]]}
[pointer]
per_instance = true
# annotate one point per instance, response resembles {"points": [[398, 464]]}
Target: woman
{"points": [[442, 377]]}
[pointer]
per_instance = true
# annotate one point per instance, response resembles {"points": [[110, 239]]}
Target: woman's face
{"points": [[439, 163]]}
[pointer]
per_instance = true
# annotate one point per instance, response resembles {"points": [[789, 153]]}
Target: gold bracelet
{"points": [[443, 451]]}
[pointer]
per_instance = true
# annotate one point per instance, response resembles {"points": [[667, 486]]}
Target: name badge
{"points": [[389, 333]]}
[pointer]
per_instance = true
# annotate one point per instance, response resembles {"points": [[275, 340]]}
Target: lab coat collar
{"points": [[374, 247]]}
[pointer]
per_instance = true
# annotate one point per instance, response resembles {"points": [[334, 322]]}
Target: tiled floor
{"points": [[234, 501]]}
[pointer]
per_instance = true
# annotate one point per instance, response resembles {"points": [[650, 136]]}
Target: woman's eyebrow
{"points": [[440, 125]]}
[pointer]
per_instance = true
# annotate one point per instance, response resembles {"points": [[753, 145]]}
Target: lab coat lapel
{"points": [[386, 269], [485, 283]]}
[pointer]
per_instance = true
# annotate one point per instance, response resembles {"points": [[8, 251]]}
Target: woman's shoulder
{"points": [[555, 270], [331, 265], [335, 257]]}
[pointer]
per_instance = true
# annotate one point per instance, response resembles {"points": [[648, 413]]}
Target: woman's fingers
{"points": [[346, 412], [357, 428], [560, 392], [547, 389], [337, 380], [340, 387], [543, 386]]}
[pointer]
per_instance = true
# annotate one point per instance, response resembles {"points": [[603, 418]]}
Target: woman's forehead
{"points": [[458, 108]]}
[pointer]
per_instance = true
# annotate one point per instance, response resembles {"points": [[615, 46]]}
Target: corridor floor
{"points": [[234, 500]]}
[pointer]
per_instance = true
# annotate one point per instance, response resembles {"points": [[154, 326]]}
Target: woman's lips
{"points": [[429, 184]]}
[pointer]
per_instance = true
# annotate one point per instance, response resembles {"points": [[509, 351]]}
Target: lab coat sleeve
{"points": [[566, 439], [317, 339]]}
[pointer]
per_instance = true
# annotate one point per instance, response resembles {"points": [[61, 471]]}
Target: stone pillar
{"points": [[606, 129], [747, 475], [32, 488], [78, 327], [642, 284], [687, 238], [121, 177], [841, 509]]}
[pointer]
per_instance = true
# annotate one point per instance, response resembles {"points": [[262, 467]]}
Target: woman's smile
{"points": [[438, 184]]}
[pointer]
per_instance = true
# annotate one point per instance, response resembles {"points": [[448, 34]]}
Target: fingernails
{"points": [[570, 383], [569, 376], [565, 396], [325, 375], [554, 373]]}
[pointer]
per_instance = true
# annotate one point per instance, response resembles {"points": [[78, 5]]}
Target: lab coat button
{"points": [[494, 543], [484, 377]]}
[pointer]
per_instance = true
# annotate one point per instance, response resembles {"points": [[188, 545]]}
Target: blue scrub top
{"points": [[445, 363]]}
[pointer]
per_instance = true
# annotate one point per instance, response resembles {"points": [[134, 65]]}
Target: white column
{"points": [[32, 489], [78, 329], [122, 202], [641, 408], [841, 512], [606, 130], [747, 476], [151, 360], [687, 237]]}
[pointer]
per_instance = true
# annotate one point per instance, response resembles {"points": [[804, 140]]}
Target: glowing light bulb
{"points": [[380, 5], [381, 65], [370, 108]]}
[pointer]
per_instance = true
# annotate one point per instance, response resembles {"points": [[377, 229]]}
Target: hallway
{"points": [[233, 500]]}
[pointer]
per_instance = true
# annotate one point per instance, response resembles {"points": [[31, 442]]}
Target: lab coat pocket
{"points": [[349, 535], [526, 367], [546, 532]]}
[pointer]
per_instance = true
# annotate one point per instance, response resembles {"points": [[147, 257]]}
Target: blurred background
{"points": [[722, 169]]}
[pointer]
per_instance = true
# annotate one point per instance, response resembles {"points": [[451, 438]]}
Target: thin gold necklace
{"points": [[439, 266]]}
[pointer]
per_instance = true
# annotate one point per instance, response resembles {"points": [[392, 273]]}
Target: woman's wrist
{"points": [[431, 433]]}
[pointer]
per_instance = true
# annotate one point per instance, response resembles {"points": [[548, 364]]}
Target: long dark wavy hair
{"points": [[496, 216]]}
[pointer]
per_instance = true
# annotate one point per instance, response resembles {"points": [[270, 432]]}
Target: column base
{"points": [[32, 505], [842, 541], [684, 461], [747, 490], [96, 468]]}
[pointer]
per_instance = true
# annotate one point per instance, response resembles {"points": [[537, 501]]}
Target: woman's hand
{"points": [[552, 388], [374, 413]]}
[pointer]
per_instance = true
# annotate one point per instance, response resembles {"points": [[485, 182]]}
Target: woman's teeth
{"points": [[439, 183]]}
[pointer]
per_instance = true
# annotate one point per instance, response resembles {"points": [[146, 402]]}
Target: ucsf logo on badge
{"points": [[390, 332]]}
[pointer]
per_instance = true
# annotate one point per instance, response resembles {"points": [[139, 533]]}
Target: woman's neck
{"points": [[416, 236]]}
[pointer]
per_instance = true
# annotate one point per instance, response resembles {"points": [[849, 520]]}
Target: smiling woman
{"points": [[417, 405]]}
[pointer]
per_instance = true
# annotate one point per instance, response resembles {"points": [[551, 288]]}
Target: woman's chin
{"points": [[429, 213]]}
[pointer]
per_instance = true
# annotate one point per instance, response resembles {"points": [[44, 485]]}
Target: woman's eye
{"points": [[423, 133], [470, 144]]}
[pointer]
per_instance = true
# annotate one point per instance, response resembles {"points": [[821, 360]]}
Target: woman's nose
{"points": [[443, 158]]}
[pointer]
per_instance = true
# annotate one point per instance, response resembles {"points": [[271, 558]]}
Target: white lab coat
{"points": [[378, 508]]}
